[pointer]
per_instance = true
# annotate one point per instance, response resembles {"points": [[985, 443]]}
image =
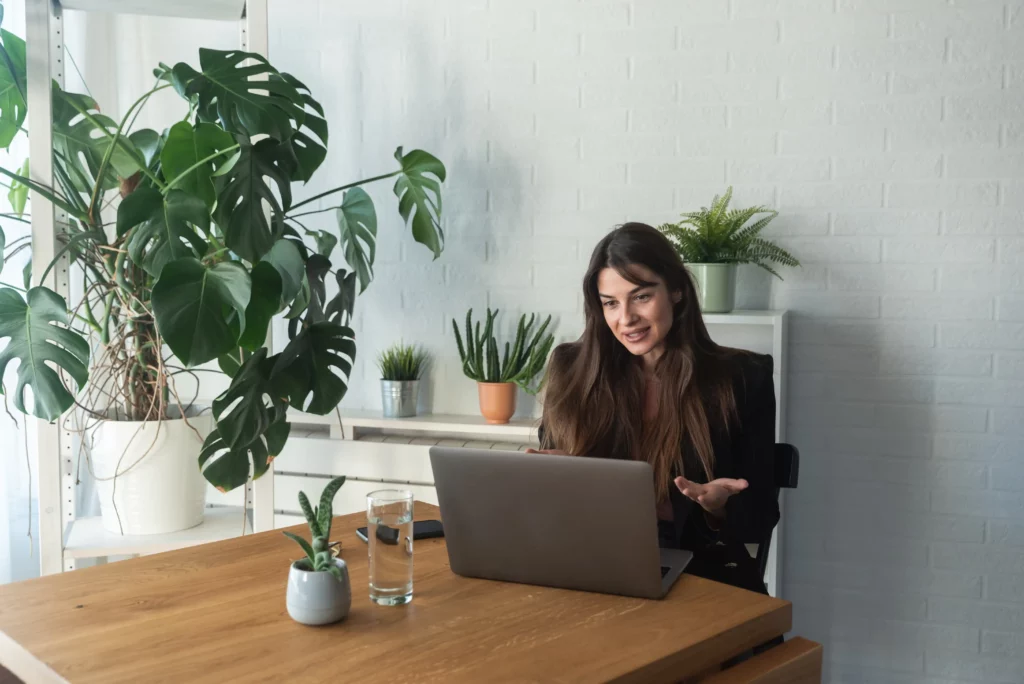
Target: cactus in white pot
{"points": [[319, 591]]}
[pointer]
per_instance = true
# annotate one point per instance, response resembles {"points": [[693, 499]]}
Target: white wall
{"points": [[888, 132]]}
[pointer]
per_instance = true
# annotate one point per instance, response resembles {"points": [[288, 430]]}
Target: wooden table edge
{"points": [[24, 665]]}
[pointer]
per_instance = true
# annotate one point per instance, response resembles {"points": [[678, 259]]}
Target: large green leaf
{"points": [[38, 336], [357, 226], [308, 152], [81, 137], [284, 256], [339, 309], [187, 146], [264, 302], [419, 196], [13, 105], [244, 99], [148, 142], [241, 193], [199, 309], [160, 228], [250, 404], [227, 468], [305, 370]]}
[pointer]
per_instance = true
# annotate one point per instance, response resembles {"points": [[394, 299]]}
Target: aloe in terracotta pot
{"points": [[519, 365]]}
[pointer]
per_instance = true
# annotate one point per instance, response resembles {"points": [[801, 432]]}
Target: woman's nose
{"points": [[626, 315]]}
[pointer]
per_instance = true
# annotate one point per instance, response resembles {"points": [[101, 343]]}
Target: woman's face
{"points": [[639, 316]]}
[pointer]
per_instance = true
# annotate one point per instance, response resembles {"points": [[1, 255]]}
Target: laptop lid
{"points": [[571, 522]]}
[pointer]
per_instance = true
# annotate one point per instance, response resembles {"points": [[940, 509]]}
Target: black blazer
{"points": [[745, 451]]}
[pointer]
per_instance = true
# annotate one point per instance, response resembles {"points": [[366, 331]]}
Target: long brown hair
{"points": [[593, 403]]}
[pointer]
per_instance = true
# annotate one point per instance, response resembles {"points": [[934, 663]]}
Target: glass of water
{"points": [[389, 529]]}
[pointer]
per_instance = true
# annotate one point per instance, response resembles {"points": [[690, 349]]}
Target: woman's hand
{"points": [[556, 452], [713, 495]]}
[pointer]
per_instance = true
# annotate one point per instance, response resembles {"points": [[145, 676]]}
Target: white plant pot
{"points": [[159, 487]]}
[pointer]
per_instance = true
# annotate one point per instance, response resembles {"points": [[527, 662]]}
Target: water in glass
{"points": [[390, 541]]}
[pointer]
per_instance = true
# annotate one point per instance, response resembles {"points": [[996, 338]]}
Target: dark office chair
{"points": [[787, 473]]}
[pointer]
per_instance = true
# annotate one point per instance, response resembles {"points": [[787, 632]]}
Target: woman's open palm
{"points": [[713, 495]]}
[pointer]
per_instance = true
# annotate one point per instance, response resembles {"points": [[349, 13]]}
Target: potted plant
{"points": [[319, 591], [522, 361], [714, 240], [401, 367], [207, 245]]}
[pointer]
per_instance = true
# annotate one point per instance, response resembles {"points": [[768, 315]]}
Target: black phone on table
{"points": [[421, 529]]}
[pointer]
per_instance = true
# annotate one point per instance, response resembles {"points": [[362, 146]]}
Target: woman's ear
{"points": [[677, 296]]}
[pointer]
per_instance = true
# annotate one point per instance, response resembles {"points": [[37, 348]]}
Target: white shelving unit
{"points": [[63, 539]]}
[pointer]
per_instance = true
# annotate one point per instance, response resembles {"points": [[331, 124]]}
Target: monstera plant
{"points": [[204, 248]]}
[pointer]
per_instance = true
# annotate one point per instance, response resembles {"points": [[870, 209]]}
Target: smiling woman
{"points": [[645, 381]]}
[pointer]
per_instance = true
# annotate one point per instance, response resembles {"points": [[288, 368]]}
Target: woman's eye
{"points": [[643, 297], [609, 303]]}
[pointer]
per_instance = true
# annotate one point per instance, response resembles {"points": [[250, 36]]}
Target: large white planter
{"points": [[159, 487]]}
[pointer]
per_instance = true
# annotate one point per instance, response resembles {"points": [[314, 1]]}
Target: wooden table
{"points": [[216, 613]]}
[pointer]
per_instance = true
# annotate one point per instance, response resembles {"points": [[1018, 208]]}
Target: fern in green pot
{"points": [[714, 240]]}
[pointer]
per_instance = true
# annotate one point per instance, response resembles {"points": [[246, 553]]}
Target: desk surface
{"points": [[216, 612]]}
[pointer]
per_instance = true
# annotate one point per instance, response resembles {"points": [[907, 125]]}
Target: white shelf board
{"points": [[226, 10], [466, 424], [746, 317], [86, 537]]}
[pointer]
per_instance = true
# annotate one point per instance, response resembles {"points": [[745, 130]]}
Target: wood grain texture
{"points": [[797, 661], [216, 613]]}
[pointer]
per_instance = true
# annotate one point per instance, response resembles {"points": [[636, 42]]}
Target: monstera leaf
{"points": [[37, 336], [81, 138], [357, 225], [199, 309], [284, 256], [264, 302], [339, 309], [248, 407], [419, 197], [160, 228], [227, 468], [244, 99], [309, 153], [240, 197], [186, 146], [306, 367], [13, 106]]}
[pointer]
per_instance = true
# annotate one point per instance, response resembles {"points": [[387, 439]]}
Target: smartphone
{"points": [[421, 529]]}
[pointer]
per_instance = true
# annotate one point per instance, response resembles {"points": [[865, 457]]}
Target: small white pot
{"points": [[159, 487], [318, 598]]}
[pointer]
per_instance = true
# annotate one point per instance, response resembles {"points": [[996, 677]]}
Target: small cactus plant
{"points": [[318, 554]]}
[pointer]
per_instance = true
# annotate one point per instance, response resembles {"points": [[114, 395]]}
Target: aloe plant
{"points": [[523, 360], [207, 247], [318, 550], [719, 235]]}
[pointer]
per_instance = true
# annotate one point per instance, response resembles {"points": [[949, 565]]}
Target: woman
{"points": [[646, 381]]}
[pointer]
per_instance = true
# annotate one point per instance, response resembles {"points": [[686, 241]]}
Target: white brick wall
{"points": [[888, 133]]}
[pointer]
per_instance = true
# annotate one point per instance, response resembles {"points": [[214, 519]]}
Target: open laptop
{"points": [[559, 521]]}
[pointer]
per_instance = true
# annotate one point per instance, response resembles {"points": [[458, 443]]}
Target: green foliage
{"points": [[208, 248], [401, 362], [719, 235], [522, 361], [318, 552]]}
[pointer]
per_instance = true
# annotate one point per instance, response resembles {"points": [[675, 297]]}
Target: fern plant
{"points": [[318, 553], [522, 361], [719, 235], [401, 363]]}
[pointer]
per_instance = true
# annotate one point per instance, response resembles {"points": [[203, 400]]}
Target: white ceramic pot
{"points": [[318, 598], [159, 487]]}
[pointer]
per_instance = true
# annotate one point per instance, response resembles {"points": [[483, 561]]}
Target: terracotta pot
{"points": [[497, 401]]}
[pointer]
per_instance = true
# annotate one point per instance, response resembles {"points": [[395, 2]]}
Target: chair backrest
{"points": [[787, 475]]}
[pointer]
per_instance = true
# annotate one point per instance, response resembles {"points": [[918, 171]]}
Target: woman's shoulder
{"points": [[752, 371]]}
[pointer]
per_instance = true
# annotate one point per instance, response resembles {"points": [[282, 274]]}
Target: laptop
{"points": [[559, 521]]}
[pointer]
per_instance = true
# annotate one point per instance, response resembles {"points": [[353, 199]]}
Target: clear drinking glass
{"points": [[389, 529]]}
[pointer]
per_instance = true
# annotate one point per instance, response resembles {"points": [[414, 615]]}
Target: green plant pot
{"points": [[716, 286]]}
